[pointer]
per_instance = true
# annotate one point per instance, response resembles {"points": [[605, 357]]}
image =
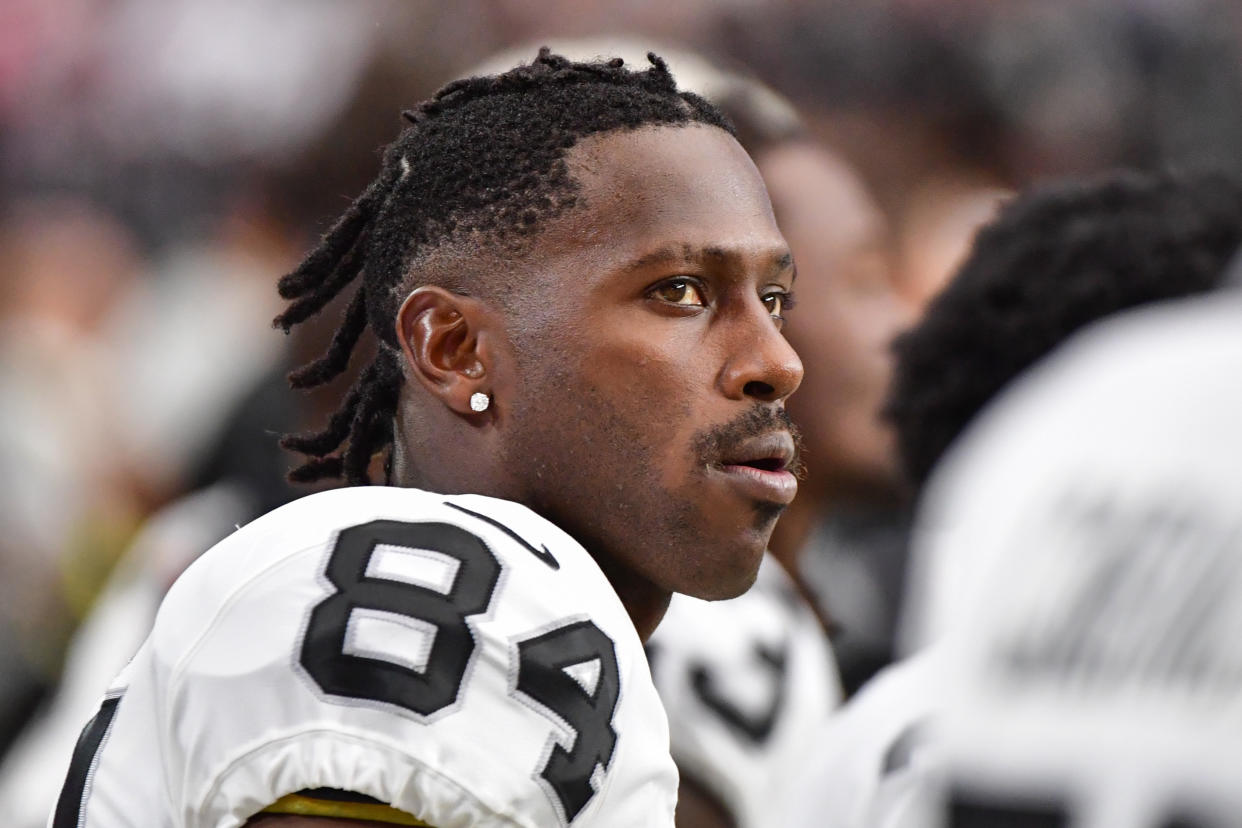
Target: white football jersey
{"points": [[1090, 626], [1077, 589], [870, 763], [458, 658], [746, 683]]}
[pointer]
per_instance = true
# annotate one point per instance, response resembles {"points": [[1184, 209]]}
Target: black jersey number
{"points": [[757, 728], [542, 660], [974, 809], [1038, 810], [434, 688], [542, 675]]}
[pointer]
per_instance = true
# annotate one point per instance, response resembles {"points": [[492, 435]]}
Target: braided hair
{"points": [[483, 160]]}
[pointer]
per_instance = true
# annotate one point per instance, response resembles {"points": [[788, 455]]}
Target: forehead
{"points": [[684, 187], [816, 194]]}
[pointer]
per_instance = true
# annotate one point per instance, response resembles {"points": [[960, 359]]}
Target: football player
{"points": [[1056, 259], [748, 683], [577, 288], [1093, 667]]}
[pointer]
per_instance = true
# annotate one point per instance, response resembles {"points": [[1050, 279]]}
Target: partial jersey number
{"points": [[755, 727], [542, 659]]}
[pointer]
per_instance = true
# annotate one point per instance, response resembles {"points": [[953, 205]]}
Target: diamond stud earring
{"points": [[479, 401]]}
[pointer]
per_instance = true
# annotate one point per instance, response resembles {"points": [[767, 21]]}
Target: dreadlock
{"points": [[484, 158]]}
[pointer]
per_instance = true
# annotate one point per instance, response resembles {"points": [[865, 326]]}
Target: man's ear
{"points": [[445, 340]]}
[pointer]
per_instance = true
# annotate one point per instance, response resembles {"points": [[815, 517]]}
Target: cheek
{"points": [[622, 395], [605, 430], [845, 353], [829, 357], [658, 388], [843, 384], [653, 390]]}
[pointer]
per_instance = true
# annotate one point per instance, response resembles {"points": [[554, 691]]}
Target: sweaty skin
{"points": [[635, 372]]}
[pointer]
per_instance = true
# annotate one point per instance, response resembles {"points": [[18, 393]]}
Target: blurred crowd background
{"points": [[163, 162]]}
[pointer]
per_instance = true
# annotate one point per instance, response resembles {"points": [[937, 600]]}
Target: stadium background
{"points": [[162, 161]]}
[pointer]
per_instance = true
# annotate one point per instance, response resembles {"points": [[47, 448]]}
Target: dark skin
{"points": [[848, 312], [842, 245], [635, 372], [645, 320]]}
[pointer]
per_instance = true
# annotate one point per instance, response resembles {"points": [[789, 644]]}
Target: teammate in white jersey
{"points": [[577, 289], [749, 683], [1057, 258], [1093, 668]]}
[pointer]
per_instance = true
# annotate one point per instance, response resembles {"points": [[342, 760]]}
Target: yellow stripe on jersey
{"points": [[309, 806]]}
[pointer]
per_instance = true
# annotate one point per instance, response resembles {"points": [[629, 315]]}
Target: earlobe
{"points": [[441, 335]]}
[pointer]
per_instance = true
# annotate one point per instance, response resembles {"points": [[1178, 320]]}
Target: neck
{"points": [[436, 451], [644, 601]]}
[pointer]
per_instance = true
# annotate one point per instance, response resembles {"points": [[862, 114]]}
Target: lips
{"points": [[760, 467]]}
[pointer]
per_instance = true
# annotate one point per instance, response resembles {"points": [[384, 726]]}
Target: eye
{"points": [[684, 292], [778, 303]]}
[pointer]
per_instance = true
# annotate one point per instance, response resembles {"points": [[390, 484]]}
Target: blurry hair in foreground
{"points": [[1085, 585], [1057, 258]]}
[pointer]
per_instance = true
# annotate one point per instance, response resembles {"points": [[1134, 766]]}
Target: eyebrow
{"points": [[682, 253]]}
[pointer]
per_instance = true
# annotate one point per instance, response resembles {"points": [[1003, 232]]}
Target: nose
{"points": [[761, 364]]}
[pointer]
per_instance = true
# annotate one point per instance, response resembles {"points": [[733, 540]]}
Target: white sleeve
{"points": [[873, 756], [457, 658], [1086, 597]]}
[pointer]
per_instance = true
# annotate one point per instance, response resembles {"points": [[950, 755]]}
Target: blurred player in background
{"points": [[749, 682], [1056, 259], [845, 536], [571, 315], [1093, 668], [67, 266]]}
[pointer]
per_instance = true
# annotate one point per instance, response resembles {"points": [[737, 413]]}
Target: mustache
{"points": [[719, 441]]}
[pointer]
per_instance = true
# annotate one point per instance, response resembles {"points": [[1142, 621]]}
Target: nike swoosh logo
{"points": [[542, 554]]}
